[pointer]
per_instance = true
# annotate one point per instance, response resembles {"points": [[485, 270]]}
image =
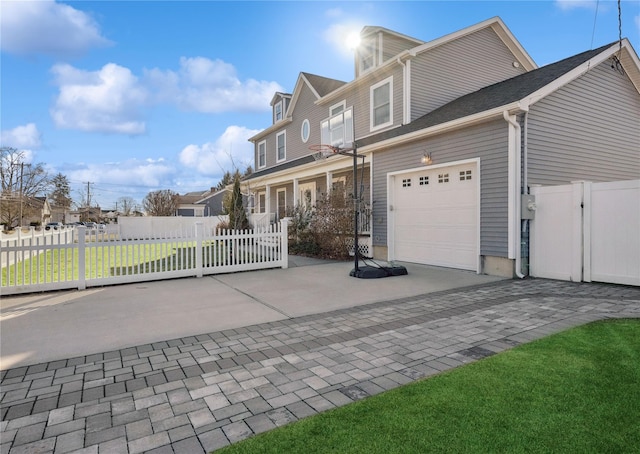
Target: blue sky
{"points": [[136, 96]]}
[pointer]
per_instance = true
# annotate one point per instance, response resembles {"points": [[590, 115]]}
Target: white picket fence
{"points": [[81, 258]]}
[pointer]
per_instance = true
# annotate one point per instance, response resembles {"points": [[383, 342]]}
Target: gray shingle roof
{"points": [[491, 97], [323, 85]]}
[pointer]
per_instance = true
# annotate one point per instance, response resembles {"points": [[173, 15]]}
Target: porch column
{"points": [[296, 196], [329, 181], [267, 201]]}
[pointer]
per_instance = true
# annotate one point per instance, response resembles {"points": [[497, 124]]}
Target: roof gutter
{"points": [[444, 127]]}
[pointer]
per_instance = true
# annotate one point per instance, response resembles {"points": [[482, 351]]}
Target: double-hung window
{"points": [[281, 147], [367, 54], [337, 130], [277, 112], [381, 104], [262, 154]]}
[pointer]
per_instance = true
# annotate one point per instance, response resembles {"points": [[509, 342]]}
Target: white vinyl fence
{"points": [[81, 258], [587, 232]]}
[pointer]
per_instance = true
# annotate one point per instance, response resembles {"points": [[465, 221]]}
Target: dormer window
{"points": [[367, 55], [277, 112]]}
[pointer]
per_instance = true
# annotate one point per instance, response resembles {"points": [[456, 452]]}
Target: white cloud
{"points": [[229, 152], [573, 4], [21, 137], [133, 172], [112, 99], [108, 100], [46, 27], [209, 86]]}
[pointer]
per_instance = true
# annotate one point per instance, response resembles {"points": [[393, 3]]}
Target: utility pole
{"points": [[21, 195], [88, 193]]}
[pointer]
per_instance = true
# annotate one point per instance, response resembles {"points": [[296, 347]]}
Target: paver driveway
{"points": [[200, 393]]}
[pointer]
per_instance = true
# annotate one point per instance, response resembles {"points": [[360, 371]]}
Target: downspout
{"points": [[516, 191], [405, 91]]}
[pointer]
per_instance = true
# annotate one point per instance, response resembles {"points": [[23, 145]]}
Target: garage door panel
{"points": [[437, 222]]}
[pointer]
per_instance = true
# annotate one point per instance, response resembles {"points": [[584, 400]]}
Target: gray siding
{"points": [[489, 143], [360, 100], [587, 130], [295, 147], [458, 68], [393, 45]]}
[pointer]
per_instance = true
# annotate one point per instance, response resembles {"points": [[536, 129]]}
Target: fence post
{"points": [[284, 243], [199, 249], [82, 279]]}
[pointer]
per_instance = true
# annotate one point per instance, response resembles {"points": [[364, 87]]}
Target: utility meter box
{"points": [[528, 206]]}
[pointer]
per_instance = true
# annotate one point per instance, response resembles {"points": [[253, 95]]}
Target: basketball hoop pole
{"points": [[356, 212], [356, 205]]}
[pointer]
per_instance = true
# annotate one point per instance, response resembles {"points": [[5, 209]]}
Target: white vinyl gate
{"points": [[587, 232]]}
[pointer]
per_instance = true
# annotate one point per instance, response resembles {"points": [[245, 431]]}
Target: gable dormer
{"points": [[279, 104], [377, 45]]}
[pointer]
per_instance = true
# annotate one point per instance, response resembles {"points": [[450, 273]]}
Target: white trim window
{"points": [[281, 199], [262, 154], [281, 146], [305, 130], [337, 130], [262, 202], [337, 108], [367, 52], [381, 102], [277, 112]]}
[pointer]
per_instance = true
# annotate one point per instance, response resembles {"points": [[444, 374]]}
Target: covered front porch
{"points": [[275, 193]]}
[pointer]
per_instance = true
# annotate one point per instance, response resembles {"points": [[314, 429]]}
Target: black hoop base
{"points": [[374, 272]]}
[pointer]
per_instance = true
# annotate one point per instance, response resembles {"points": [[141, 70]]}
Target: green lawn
{"points": [[574, 392], [113, 260]]}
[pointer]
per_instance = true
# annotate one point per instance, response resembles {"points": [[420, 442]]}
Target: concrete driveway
{"points": [[45, 327]]}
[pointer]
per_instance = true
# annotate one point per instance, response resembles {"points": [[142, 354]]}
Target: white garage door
{"points": [[435, 216]]}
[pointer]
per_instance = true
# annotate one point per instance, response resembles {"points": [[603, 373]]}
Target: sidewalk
{"points": [[200, 392]]}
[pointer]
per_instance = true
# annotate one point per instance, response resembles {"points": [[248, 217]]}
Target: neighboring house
{"points": [[187, 204], [84, 214], [204, 203], [453, 132], [59, 214], [36, 211]]}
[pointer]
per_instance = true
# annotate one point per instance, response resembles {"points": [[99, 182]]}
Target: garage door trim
{"points": [[391, 176]]}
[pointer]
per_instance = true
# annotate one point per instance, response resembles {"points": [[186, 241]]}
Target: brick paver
{"points": [[203, 392]]}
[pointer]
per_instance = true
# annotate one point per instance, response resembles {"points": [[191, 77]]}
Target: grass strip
{"points": [[576, 391]]}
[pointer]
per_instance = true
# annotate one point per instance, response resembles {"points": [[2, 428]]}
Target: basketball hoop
{"points": [[322, 151]]}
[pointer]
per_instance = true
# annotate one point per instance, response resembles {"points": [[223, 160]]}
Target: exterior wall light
{"points": [[426, 159]]}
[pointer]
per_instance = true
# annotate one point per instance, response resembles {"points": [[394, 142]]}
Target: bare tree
{"points": [[20, 182], [126, 205], [161, 203]]}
